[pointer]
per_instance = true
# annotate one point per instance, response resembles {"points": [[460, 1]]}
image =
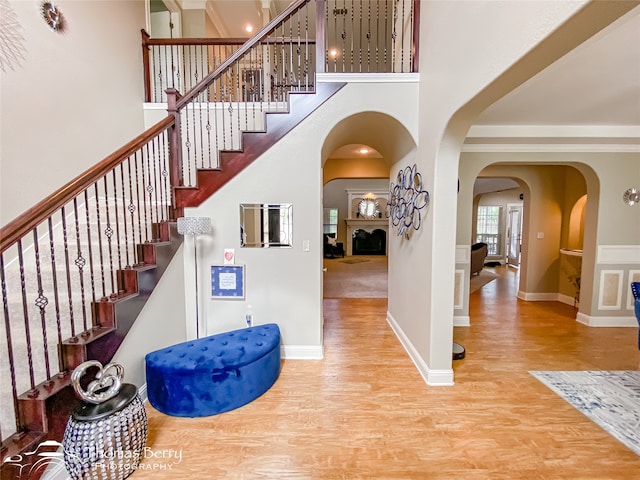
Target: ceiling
{"points": [[598, 83]]}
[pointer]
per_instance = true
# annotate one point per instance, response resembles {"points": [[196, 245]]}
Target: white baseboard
{"points": [[461, 321], [436, 378], [142, 391], [538, 297], [592, 321], [566, 299], [302, 352]]}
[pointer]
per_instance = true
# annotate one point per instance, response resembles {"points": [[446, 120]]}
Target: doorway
{"points": [[514, 235]]}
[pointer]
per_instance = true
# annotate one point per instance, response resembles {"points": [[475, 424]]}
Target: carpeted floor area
{"points": [[609, 398], [361, 276]]}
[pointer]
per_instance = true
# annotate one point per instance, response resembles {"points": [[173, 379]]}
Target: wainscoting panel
{"points": [[463, 254], [634, 276], [610, 297], [618, 254], [458, 291]]}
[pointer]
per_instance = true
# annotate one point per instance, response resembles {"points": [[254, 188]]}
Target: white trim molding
{"points": [[634, 276], [302, 352], [625, 132], [618, 254], [461, 321], [142, 391], [435, 378], [463, 254], [566, 299], [592, 321], [548, 148], [369, 77], [458, 291], [538, 297], [610, 290]]}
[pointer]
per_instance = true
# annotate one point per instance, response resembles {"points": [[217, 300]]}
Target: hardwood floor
{"points": [[364, 412]]}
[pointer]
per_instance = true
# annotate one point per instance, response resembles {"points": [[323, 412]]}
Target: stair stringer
{"points": [[254, 144]]}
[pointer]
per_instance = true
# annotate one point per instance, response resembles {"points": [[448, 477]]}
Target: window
{"points": [[330, 220], [488, 227]]}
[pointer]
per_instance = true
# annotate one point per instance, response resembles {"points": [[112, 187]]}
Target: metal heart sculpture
{"points": [[106, 385]]}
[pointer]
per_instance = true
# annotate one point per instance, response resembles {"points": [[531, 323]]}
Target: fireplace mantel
{"points": [[372, 222], [368, 224]]}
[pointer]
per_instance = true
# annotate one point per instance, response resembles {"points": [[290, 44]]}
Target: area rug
{"points": [[352, 261], [609, 398], [476, 282]]}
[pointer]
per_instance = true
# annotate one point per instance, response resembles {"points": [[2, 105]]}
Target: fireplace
{"points": [[369, 243], [368, 236]]}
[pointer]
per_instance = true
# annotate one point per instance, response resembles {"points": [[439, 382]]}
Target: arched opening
{"points": [[576, 224], [559, 214], [357, 157]]}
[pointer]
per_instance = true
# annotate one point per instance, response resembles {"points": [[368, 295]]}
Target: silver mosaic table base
{"points": [[106, 441]]}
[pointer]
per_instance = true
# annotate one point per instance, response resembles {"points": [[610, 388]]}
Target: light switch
{"points": [[540, 235], [305, 245]]}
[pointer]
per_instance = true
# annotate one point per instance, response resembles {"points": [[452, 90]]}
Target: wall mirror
{"points": [[266, 225]]}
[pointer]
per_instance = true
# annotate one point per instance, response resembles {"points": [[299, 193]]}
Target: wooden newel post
{"points": [[175, 142], [146, 65]]}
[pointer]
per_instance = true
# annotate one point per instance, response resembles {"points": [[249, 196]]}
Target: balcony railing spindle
{"points": [[8, 336], [80, 263], [41, 302], [25, 311]]}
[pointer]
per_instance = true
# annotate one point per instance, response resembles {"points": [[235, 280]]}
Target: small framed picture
{"points": [[227, 281]]}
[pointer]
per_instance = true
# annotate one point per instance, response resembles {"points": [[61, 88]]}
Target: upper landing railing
{"points": [[324, 36], [69, 254]]}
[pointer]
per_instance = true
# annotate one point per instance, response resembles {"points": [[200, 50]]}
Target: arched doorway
{"points": [[358, 155], [559, 214]]}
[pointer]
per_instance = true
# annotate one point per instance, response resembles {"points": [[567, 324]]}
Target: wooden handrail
{"points": [[23, 224], [204, 83], [146, 40]]}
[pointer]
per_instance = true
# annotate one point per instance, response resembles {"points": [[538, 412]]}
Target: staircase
{"points": [[43, 411], [87, 258]]}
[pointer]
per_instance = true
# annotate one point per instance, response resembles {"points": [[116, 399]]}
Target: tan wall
{"points": [[355, 168], [553, 192], [73, 99]]}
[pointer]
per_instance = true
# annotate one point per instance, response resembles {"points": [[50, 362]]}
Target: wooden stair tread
{"points": [[254, 144]]}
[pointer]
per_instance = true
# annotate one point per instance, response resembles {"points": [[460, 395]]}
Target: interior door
{"points": [[514, 235]]}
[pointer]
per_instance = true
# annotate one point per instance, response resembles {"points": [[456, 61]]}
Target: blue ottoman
{"points": [[214, 374]]}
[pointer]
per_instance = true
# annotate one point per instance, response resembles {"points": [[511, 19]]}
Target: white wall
{"points": [[285, 285], [163, 314], [462, 51], [74, 99]]}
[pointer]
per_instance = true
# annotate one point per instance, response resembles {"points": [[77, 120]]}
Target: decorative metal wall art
{"points": [[631, 196], [407, 197], [53, 16]]}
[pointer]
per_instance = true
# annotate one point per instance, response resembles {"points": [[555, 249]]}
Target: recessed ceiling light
{"points": [[363, 150], [333, 52]]}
